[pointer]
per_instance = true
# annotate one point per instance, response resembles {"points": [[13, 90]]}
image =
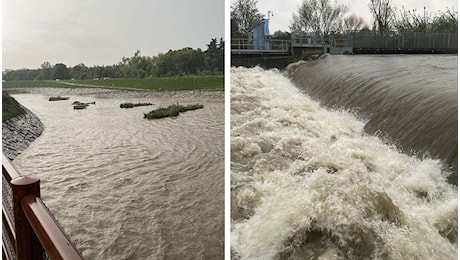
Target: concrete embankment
{"points": [[19, 132]]}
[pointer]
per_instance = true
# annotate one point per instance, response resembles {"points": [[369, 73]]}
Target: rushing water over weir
{"points": [[311, 183], [410, 100]]}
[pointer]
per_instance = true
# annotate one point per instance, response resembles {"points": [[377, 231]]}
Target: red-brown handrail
{"points": [[8, 170], [30, 230], [53, 240]]}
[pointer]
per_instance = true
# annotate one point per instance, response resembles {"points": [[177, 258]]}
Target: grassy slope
{"points": [[10, 107], [156, 83]]}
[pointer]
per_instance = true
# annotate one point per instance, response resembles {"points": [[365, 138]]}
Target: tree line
{"points": [[186, 61], [326, 16]]}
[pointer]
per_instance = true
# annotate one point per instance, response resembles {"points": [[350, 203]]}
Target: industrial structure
{"points": [[261, 49]]}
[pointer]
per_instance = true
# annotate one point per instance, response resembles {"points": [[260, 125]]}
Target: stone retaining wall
{"points": [[19, 132]]}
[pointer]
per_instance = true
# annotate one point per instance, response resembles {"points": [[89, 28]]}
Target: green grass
{"points": [[171, 111], [10, 107], [131, 105], [33, 84], [212, 82], [215, 82]]}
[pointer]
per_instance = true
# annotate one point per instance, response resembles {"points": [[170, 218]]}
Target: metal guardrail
{"points": [[309, 40], [376, 39], [266, 45], [403, 40], [29, 229]]}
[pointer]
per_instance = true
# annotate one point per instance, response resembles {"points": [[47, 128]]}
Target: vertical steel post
{"points": [[448, 40]]}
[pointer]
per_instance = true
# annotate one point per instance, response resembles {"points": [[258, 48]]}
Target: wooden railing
{"points": [[29, 230]]}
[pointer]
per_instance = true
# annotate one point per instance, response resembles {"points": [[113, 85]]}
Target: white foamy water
{"points": [[124, 187], [308, 183]]}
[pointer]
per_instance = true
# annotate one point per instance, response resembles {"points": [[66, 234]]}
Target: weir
{"points": [[309, 183], [410, 101]]}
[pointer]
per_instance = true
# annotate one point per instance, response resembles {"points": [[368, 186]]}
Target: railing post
{"points": [[27, 245]]}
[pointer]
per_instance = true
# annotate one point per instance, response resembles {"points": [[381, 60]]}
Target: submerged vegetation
{"points": [[10, 107], [171, 111], [131, 105], [58, 98], [80, 105]]}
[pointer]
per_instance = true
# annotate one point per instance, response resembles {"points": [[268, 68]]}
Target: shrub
{"points": [[171, 111]]}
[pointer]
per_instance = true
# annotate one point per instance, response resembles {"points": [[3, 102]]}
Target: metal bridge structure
{"points": [[302, 45]]}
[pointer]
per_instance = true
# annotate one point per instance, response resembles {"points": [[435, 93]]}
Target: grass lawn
{"points": [[33, 84], [214, 82]]}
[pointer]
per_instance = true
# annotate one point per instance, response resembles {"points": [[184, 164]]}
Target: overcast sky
{"points": [[101, 32], [283, 9]]}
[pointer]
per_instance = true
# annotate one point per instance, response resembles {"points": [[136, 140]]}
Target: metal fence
{"points": [[394, 41], [310, 39], [402, 40], [375, 39]]}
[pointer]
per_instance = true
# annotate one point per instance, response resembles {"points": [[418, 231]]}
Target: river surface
{"points": [[309, 182], [124, 187]]}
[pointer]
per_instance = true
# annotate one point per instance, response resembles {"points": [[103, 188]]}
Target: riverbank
{"points": [[10, 107], [207, 83], [100, 92], [19, 132]]}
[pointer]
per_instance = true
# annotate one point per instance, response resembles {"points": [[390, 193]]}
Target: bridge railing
{"points": [[29, 229], [309, 40]]}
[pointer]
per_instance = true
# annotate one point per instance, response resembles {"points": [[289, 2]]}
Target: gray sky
{"points": [[283, 9], [101, 32]]}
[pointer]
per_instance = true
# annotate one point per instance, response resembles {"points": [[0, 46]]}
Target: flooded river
{"points": [[124, 187]]}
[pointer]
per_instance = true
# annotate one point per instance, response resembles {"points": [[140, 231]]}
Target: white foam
{"points": [[300, 171]]}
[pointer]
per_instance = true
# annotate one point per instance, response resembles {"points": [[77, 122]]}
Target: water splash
{"points": [[309, 183]]}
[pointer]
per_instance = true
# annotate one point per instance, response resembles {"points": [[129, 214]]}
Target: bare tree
{"points": [[354, 23], [411, 20], [318, 16], [244, 15], [383, 14]]}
